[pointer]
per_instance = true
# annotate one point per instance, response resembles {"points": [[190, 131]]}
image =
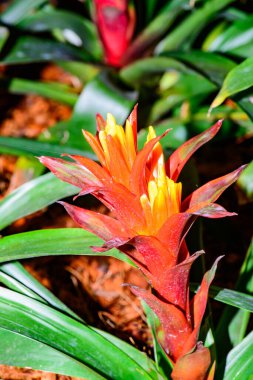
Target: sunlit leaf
{"points": [[74, 241], [66, 335], [238, 79], [239, 361], [33, 196]]}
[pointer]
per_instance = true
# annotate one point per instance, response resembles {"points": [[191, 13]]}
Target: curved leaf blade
{"points": [[238, 79], [40, 356], [33, 196], [229, 297], [74, 241], [29, 49], [66, 335], [239, 361]]}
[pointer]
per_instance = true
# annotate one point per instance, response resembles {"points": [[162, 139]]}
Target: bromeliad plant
{"points": [[149, 222]]}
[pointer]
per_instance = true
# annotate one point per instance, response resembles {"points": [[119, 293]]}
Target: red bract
{"points": [[149, 222], [115, 21]]}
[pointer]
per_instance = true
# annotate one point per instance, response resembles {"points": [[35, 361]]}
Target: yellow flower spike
{"points": [[102, 138], [151, 134], [110, 127], [152, 192], [130, 142], [146, 207], [160, 210], [175, 191]]}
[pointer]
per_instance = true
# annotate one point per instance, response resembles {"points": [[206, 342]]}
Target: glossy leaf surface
{"points": [[66, 335], [74, 241], [239, 361], [33, 196], [238, 79]]}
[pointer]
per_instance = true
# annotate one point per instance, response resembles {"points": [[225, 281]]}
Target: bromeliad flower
{"points": [[115, 21], [149, 222]]}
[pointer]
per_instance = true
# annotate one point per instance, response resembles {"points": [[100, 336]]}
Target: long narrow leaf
{"points": [[26, 147], [229, 297], [191, 25], [40, 356], [74, 241], [66, 335], [55, 91], [239, 361], [33, 196]]}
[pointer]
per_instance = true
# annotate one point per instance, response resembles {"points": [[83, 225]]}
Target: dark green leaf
{"points": [[33, 196], [191, 25], [75, 29], [29, 49], [74, 241]]}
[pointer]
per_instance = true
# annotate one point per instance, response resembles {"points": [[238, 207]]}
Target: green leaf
{"points": [[4, 34], [29, 49], [18, 9], [101, 95], [56, 91], [238, 35], [84, 71], [212, 65], [74, 241], [236, 321], [35, 320], [21, 146], [215, 67], [33, 196], [238, 79], [245, 181], [154, 30], [28, 285], [75, 29], [40, 356], [162, 361], [239, 361], [191, 25], [17, 278], [137, 72], [229, 297], [177, 136]]}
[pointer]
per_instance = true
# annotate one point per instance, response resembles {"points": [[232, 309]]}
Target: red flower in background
{"points": [[149, 222], [115, 21]]}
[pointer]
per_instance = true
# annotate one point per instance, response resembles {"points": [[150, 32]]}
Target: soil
{"points": [[92, 286]]}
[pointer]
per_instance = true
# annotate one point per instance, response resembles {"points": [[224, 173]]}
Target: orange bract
{"points": [[149, 223]]}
